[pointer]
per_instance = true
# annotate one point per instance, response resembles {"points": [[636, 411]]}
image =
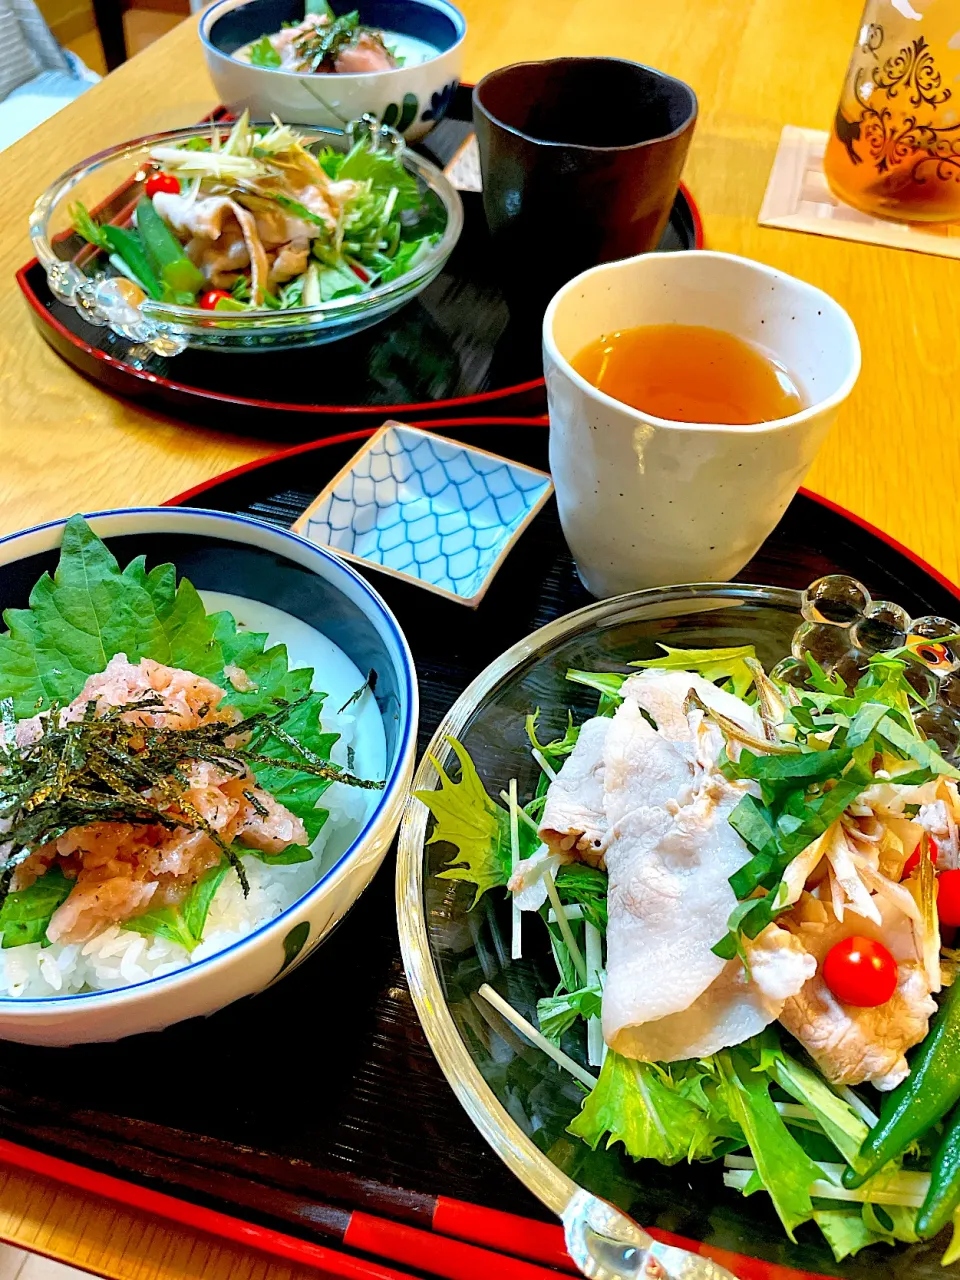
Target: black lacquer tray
{"points": [[454, 349], [330, 1069]]}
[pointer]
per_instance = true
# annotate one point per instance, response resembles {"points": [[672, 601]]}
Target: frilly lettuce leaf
{"points": [[654, 1114], [845, 1129], [467, 818], [846, 1232]]}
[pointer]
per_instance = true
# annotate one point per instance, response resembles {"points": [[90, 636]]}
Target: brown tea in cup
{"points": [[690, 373]]}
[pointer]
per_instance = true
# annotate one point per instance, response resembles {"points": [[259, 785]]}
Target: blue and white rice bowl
{"points": [[411, 98], [122, 982]]}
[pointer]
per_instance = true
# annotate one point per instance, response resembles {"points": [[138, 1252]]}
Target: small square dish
{"points": [[422, 507]]}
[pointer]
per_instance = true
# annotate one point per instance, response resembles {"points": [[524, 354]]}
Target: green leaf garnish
{"points": [[104, 769], [25, 914], [666, 1114], [785, 1170], [263, 54], [607, 683], [467, 818], [713, 664], [185, 922], [587, 887], [556, 1014]]}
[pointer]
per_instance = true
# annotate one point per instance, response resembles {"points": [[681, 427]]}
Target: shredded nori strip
{"points": [[321, 46], [108, 769], [370, 683]]}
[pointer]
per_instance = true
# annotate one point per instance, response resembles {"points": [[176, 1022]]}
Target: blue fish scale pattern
{"points": [[428, 508]]}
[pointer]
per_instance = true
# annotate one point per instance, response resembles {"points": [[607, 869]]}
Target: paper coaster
{"points": [[463, 169], [798, 199]]}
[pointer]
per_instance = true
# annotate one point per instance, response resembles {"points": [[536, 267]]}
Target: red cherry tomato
{"points": [[948, 897], [860, 972], [913, 861], [164, 182], [208, 301]]}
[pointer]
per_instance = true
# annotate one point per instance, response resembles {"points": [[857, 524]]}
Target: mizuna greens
{"points": [[825, 766]]}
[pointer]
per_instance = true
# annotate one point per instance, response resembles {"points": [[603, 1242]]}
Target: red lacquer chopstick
{"points": [[506, 1232], [328, 1261], [396, 1242], [495, 1229]]}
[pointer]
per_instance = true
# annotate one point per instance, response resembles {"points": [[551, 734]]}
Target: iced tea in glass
{"points": [[894, 149]]}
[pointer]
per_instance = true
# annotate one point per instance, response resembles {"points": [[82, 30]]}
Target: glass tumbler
{"points": [[894, 148]]}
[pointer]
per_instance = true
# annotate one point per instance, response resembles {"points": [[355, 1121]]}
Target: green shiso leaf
{"points": [[300, 792], [25, 914], [268, 670], [845, 1129], [263, 54], [408, 255], [196, 906], [185, 922], [587, 887], [77, 620], [467, 818], [800, 767], [559, 748]]}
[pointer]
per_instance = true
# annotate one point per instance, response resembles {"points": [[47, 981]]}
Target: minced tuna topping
{"points": [[121, 869]]}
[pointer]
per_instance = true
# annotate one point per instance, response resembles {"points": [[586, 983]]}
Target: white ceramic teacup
{"points": [[645, 501]]}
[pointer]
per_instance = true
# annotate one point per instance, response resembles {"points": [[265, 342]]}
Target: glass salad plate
{"points": [[518, 1097], [111, 183]]}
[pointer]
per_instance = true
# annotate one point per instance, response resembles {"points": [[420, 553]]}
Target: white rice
{"points": [[120, 957]]}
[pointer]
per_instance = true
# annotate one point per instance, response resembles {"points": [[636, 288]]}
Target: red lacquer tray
{"points": [[330, 1069], [453, 350]]}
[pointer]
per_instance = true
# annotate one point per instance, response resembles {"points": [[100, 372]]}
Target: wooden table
{"points": [[893, 457]]}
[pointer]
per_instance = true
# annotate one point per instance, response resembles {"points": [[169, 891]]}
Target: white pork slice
{"points": [[574, 821], [662, 695], [670, 854], [733, 1008], [852, 1045]]}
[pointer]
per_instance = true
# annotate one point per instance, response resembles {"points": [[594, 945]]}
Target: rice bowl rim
{"points": [[193, 520]]}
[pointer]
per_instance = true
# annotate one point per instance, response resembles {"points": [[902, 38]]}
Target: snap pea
{"points": [[927, 1094], [944, 1195], [165, 251]]}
